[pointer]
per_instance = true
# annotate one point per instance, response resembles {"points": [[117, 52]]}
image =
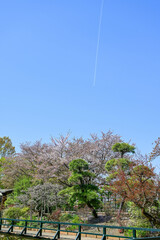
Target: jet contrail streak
{"points": [[98, 39]]}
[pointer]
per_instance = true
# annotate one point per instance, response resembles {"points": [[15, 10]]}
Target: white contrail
{"points": [[98, 39]]}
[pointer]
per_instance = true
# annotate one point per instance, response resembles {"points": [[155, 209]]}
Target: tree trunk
{"points": [[30, 213], [93, 210], [94, 213], [121, 207], [154, 221]]}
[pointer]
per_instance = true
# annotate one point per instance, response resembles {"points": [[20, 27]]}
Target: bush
{"points": [[55, 215], [71, 219], [67, 217], [137, 220], [16, 213]]}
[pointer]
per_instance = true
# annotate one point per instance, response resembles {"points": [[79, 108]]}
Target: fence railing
{"points": [[58, 228]]}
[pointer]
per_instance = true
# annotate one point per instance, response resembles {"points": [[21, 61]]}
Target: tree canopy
{"points": [[6, 147], [82, 191], [73, 174]]}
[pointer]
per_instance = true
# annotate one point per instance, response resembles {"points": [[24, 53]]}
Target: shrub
{"points": [[16, 212], [55, 215], [137, 220], [71, 219]]}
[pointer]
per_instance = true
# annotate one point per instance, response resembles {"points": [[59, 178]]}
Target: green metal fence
{"points": [[40, 226]]}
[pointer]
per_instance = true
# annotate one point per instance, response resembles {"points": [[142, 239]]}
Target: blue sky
{"points": [[47, 58]]}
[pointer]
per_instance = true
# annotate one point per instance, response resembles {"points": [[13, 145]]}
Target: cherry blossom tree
{"points": [[156, 150]]}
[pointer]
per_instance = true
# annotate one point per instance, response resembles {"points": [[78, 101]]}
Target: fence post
{"points": [[104, 233], [25, 231], [12, 226], [41, 226], [79, 232], [134, 233], [0, 224], [59, 228]]}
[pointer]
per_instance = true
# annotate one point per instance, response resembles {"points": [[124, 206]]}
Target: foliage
{"points": [[50, 162], [113, 166], [55, 215], [77, 165], [123, 148], [156, 150], [6, 147], [135, 181], [116, 166], [6, 151], [41, 198], [16, 213], [82, 191], [137, 220], [40, 171], [71, 218], [20, 186]]}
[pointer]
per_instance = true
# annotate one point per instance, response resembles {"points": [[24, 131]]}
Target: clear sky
{"points": [[47, 63]]}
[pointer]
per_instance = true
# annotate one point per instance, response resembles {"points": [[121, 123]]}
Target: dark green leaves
{"points": [[123, 148]]}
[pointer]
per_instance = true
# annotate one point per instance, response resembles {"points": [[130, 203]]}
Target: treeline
{"points": [[70, 174]]}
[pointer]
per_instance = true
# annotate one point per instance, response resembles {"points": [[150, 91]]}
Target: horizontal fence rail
{"points": [[30, 224]]}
